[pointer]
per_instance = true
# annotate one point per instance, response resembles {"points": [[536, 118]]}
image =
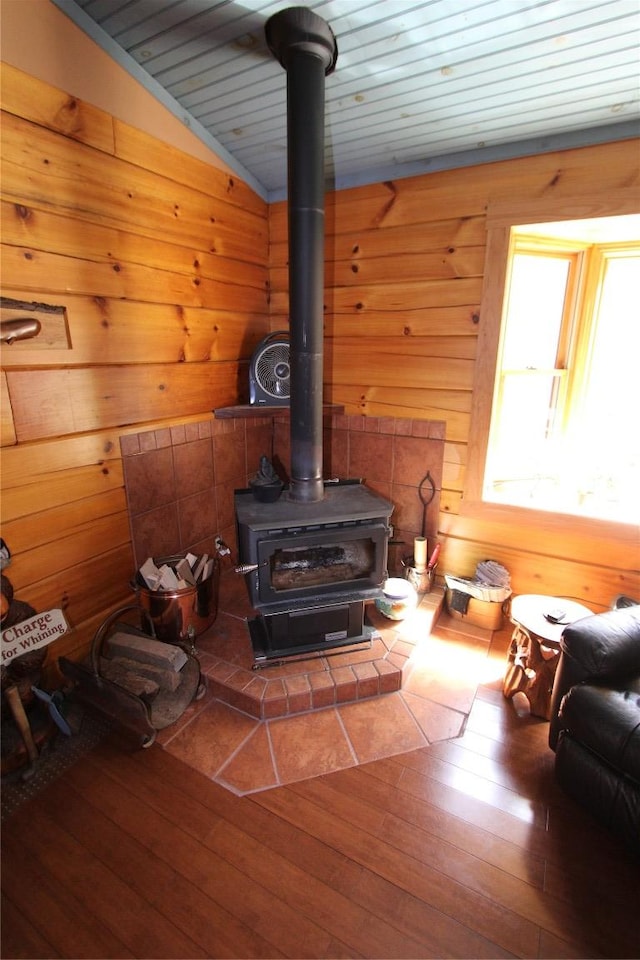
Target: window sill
{"points": [[553, 525]]}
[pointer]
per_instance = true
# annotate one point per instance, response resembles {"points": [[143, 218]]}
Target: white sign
{"points": [[31, 634]]}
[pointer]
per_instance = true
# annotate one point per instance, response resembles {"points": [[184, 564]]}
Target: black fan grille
{"points": [[272, 370]]}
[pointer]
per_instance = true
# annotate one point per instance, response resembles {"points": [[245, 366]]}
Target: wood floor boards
{"points": [[466, 848]]}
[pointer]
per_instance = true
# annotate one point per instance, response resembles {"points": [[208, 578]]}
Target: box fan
{"points": [[269, 371]]}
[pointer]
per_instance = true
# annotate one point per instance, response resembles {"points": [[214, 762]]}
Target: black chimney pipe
{"points": [[305, 46]]}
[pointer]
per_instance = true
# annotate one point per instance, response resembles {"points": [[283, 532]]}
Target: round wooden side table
{"points": [[535, 646]]}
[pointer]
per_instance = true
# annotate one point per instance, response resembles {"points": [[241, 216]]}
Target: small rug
{"points": [[55, 758]]}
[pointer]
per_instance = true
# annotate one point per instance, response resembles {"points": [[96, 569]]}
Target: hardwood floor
{"points": [[465, 848]]}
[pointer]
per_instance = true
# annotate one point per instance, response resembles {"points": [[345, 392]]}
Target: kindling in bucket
{"points": [[180, 594]]}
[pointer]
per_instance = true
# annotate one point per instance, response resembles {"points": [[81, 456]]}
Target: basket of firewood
{"points": [[135, 679]]}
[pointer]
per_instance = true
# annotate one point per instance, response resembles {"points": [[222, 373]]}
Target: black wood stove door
{"points": [[315, 564]]}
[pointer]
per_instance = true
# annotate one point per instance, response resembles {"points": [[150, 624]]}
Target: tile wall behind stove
{"points": [[180, 480]]}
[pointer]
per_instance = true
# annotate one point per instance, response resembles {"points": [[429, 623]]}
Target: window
{"points": [[565, 418]]}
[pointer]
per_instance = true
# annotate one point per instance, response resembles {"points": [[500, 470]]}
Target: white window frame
{"points": [[487, 516]]}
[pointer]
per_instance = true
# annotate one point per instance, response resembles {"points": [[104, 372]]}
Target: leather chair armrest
{"points": [[606, 721], [605, 646], [602, 649]]}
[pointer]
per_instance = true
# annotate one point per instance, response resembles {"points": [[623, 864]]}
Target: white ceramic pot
{"points": [[399, 600]]}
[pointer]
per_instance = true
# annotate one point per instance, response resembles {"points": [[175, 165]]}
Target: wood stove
{"points": [[310, 568], [315, 556]]}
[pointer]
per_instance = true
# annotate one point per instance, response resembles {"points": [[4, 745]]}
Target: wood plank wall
{"points": [[159, 262], [404, 279]]}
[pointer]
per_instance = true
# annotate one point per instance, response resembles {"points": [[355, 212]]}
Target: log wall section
{"points": [[406, 305], [160, 263]]}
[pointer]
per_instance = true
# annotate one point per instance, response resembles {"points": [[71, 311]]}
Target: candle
{"points": [[420, 554]]}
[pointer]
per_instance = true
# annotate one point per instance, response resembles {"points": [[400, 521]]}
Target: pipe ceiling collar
{"points": [[298, 28]]}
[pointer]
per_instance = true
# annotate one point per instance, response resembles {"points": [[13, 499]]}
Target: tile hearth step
{"points": [[309, 684], [314, 682]]}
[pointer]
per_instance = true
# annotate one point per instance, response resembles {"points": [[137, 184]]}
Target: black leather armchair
{"points": [[595, 719]]}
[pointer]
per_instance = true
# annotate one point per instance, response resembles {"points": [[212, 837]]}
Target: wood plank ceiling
{"points": [[420, 85]]}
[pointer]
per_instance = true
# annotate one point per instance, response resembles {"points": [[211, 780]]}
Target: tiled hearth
{"points": [[256, 729], [299, 684]]}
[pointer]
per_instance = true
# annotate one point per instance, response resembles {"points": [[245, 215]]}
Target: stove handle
{"points": [[340, 482]]}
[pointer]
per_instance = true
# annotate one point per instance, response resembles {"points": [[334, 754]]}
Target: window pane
{"points": [[615, 353], [607, 434], [569, 440], [526, 415], [536, 302], [524, 449]]}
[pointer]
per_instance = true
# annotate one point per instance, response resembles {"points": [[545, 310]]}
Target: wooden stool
{"points": [[532, 659]]}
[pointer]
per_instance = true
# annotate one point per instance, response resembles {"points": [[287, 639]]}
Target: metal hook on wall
{"points": [[12, 330], [426, 492]]}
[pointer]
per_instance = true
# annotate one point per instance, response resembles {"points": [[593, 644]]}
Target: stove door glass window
{"points": [[314, 565]]}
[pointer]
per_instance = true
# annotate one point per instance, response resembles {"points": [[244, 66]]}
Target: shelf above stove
{"points": [[244, 411]]}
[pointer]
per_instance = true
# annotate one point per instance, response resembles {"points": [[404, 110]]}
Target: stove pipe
{"points": [[305, 46]]}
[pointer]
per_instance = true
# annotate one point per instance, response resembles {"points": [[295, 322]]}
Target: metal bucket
{"points": [[421, 580], [174, 612]]}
